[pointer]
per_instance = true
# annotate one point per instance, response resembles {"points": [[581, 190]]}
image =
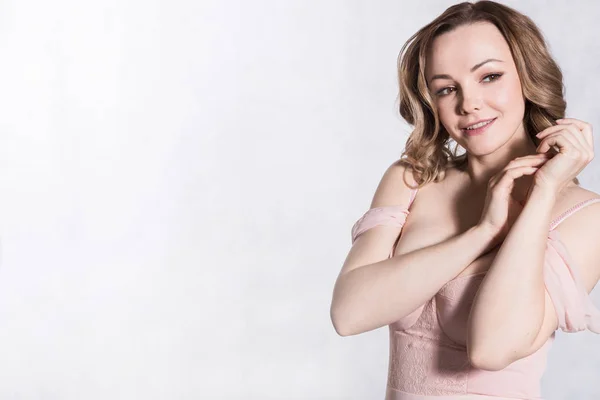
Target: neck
{"points": [[480, 168]]}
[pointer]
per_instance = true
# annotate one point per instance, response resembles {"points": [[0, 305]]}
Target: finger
{"points": [[534, 160], [531, 160], [507, 176], [577, 135], [577, 122], [563, 142], [549, 130], [584, 127], [510, 175], [585, 139]]}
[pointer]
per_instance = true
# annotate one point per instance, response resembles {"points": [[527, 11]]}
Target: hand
{"points": [[501, 210], [575, 144]]}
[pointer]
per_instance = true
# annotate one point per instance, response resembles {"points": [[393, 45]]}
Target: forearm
{"points": [[508, 309], [378, 294]]}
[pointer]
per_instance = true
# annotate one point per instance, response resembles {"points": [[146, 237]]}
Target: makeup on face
{"points": [[481, 128]]}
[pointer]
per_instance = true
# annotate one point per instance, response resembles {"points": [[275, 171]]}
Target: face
{"points": [[467, 89]]}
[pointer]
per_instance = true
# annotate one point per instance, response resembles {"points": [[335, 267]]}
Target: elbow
{"points": [[488, 354], [346, 320], [493, 356], [341, 330], [340, 313], [339, 324], [487, 361]]}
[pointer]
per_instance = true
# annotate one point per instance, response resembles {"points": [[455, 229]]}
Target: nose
{"points": [[470, 101]]}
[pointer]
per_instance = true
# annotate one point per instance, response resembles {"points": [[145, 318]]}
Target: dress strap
{"points": [[413, 194], [572, 211], [385, 215]]}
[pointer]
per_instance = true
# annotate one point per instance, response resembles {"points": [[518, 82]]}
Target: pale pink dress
{"points": [[428, 356]]}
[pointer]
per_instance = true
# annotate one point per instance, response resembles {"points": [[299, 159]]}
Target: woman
{"points": [[500, 247]]}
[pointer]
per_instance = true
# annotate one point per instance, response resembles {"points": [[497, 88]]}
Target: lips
{"points": [[477, 122], [480, 130]]}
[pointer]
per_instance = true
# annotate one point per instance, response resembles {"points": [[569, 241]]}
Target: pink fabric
{"points": [[392, 394], [394, 216], [574, 308], [428, 356]]}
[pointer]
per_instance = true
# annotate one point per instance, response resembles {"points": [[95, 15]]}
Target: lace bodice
{"points": [[428, 354]]}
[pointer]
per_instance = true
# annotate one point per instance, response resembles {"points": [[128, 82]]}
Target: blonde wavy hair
{"points": [[427, 152]]}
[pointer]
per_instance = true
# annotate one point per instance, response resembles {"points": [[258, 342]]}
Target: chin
{"points": [[486, 145], [483, 148], [484, 153]]}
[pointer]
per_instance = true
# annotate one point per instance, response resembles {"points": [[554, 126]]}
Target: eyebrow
{"points": [[473, 69]]}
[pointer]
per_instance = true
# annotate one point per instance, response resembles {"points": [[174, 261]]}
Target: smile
{"points": [[482, 127]]}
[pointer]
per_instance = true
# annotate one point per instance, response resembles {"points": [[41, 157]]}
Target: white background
{"points": [[179, 179]]}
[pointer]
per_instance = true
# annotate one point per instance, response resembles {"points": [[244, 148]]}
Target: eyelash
{"points": [[439, 92]]}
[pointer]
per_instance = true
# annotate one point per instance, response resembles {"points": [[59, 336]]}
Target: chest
{"points": [[450, 308], [432, 221]]}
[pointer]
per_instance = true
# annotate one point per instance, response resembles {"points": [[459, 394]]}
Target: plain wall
{"points": [[179, 180]]}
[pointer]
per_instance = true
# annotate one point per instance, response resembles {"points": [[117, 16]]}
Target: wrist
{"points": [[486, 236], [543, 192]]}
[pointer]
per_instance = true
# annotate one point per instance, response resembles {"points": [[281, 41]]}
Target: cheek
{"points": [[449, 120], [447, 117], [508, 97], [446, 109]]}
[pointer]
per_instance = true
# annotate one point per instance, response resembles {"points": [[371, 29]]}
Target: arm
{"points": [[372, 291], [507, 311], [513, 315], [378, 294]]}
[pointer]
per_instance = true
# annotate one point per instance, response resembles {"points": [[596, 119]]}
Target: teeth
{"points": [[479, 125]]}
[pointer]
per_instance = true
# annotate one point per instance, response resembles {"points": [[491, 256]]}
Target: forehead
{"points": [[457, 51]]}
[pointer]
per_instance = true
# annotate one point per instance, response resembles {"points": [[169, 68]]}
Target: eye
{"points": [[439, 92], [497, 75], [494, 76]]}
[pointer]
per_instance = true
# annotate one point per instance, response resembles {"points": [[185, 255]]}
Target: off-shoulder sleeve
{"points": [[574, 308], [387, 216]]}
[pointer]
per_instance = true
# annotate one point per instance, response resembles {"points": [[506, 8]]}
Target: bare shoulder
{"points": [[572, 196], [395, 186], [579, 232]]}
